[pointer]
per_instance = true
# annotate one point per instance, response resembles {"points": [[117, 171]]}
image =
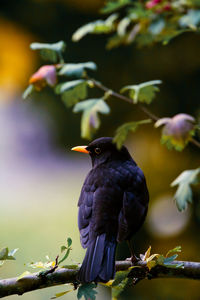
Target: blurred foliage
{"points": [[144, 22]]}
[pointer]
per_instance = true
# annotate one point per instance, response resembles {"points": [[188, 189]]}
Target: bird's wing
{"points": [[99, 206], [135, 204], [84, 214]]}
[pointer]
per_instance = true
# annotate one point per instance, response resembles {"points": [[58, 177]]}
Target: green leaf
{"points": [[183, 195], [96, 27], [28, 91], [65, 256], [144, 92], [61, 294], [52, 52], [112, 5], [69, 242], [122, 131], [175, 250], [87, 291], [72, 91], [77, 70], [90, 119]]}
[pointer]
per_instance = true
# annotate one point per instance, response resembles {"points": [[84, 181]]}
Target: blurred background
{"points": [[40, 179]]}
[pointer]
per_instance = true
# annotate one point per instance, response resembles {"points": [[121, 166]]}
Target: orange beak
{"points": [[80, 149]]}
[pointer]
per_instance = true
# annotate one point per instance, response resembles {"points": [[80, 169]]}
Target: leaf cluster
{"points": [[144, 22], [72, 83]]}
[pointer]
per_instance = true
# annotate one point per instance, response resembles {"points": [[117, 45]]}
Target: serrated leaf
{"points": [[77, 70], [122, 131], [183, 195], [144, 92], [87, 291], [23, 275], [61, 294], [69, 242], [96, 27], [72, 91], [112, 5], [28, 91], [51, 52], [90, 119]]}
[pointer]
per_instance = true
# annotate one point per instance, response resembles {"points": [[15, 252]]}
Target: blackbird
{"points": [[112, 207]]}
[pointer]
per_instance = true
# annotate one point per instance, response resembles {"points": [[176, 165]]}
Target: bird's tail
{"points": [[99, 262]]}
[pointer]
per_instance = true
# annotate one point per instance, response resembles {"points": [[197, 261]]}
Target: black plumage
{"points": [[112, 207]]}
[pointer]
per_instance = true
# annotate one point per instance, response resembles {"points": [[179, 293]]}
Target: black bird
{"points": [[112, 207]]}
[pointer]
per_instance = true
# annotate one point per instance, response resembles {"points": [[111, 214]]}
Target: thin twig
{"points": [[12, 286], [45, 273], [141, 107]]}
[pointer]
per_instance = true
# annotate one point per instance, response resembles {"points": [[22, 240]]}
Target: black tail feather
{"points": [[99, 262]]}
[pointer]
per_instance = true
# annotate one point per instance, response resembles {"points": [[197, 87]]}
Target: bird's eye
{"points": [[97, 151]]}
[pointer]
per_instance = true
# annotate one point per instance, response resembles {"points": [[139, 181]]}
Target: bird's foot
{"points": [[133, 259]]}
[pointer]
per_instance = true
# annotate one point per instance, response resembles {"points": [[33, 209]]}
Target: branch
{"points": [[35, 281], [141, 107]]}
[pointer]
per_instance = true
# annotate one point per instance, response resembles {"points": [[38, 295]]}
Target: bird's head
{"points": [[103, 149]]}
